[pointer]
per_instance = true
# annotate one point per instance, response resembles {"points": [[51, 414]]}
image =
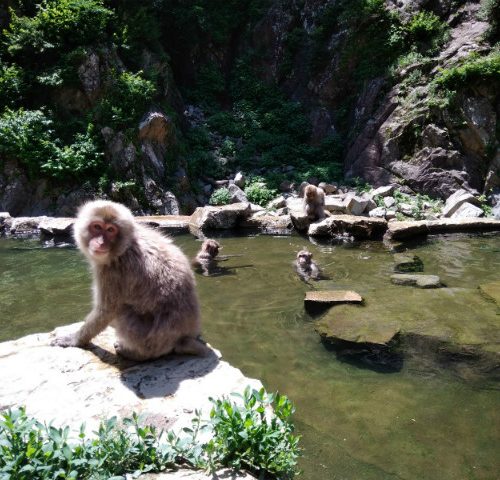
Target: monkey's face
{"points": [[212, 248], [304, 258], [102, 238]]}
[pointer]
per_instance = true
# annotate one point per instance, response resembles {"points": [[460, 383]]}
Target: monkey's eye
{"points": [[96, 226], [111, 229]]}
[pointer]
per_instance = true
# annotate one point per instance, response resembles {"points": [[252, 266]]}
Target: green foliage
{"points": [[490, 11], [80, 157], [258, 192], [57, 25], [247, 436], [425, 31], [127, 100], [255, 434], [28, 135], [210, 86], [221, 196], [485, 206], [473, 69], [11, 83]]}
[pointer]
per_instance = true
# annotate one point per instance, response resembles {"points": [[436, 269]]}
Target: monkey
{"points": [[306, 267], [143, 286], [314, 203], [205, 259]]}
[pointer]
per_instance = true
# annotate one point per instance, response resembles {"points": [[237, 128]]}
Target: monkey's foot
{"points": [[65, 341], [192, 346], [129, 354]]}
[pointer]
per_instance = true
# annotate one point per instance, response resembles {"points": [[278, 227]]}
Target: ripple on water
{"points": [[421, 422]]}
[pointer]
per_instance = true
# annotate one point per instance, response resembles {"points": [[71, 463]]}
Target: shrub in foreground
{"points": [[254, 433]]}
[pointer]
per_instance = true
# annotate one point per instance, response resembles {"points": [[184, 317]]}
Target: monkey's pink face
{"points": [[102, 237]]}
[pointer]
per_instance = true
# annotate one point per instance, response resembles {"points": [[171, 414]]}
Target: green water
{"points": [[424, 421]]}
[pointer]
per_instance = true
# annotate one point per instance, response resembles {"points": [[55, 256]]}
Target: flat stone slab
{"points": [[333, 296], [184, 474], [268, 224], [359, 227], [405, 230], [167, 223], [416, 280], [491, 290], [56, 226], [71, 386]]}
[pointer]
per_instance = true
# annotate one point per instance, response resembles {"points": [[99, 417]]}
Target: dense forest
{"points": [[150, 103]]}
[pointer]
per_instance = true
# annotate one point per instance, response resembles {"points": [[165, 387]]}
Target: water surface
{"points": [[423, 421]]}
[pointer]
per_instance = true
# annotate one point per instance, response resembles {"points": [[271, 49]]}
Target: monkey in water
{"points": [[143, 286], [314, 203], [306, 267], [206, 260]]}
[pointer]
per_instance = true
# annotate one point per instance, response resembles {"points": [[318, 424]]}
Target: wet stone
{"points": [[416, 280], [492, 291], [404, 263], [333, 296]]}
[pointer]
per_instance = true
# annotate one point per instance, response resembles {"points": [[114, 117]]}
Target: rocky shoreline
{"points": [[351, 217]]}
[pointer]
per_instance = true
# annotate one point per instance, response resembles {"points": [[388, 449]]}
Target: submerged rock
{"points": [[404, 263], [416, 280], [492, 291], [390, 328]]}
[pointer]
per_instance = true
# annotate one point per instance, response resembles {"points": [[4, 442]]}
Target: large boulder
{"points": [[454, 201], [219, 218], [71, 386]]}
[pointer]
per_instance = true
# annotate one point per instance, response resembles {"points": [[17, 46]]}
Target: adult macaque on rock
{"points": [[314, 203], [143, 286], [206, 260], [306, 267]]}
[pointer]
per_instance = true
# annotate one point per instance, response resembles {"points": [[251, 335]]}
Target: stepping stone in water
{"points": [[416, 280], [333, 296]]}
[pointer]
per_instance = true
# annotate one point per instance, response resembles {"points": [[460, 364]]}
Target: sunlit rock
{"points": [[416, 280], [71, 386], [467, 210], [219, 218]]}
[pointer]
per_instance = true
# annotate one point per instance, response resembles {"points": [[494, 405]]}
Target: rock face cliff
{"points": [[395, 91]]}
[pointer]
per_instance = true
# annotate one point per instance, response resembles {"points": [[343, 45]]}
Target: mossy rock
{"points": [[404, 263]]}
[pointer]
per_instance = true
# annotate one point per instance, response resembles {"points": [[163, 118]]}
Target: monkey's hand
{"points": [[66, 341]]}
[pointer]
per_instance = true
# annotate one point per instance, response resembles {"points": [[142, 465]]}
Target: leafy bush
{"points": [[28, 136], [80, 157], [425, 30], [255, 434], [245, 434], [127, 100], [221, 196], [258, 192], [474, 68], [11, 82], [490, 11], [58, 25]]}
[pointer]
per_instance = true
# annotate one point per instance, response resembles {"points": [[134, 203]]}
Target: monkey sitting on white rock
{"points": [[143, 286]]}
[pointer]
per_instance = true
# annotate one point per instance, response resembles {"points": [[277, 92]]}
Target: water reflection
{"points": [[423, 420]]}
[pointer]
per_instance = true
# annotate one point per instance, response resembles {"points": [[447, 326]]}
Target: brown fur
{"points": [[314, 203], [205, 259], [306, 267], [144, 287]]}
